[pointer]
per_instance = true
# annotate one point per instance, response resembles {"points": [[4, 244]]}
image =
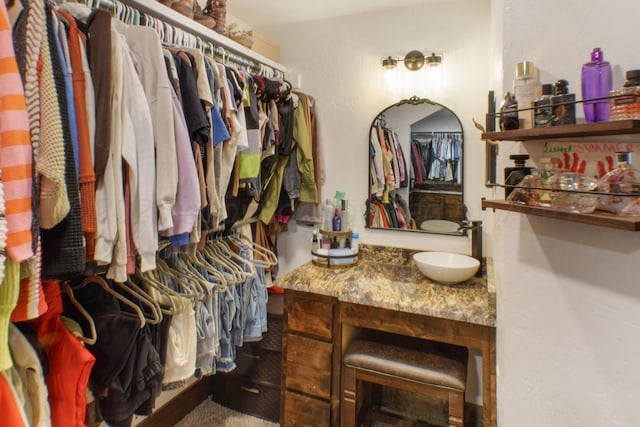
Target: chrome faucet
{"points": [[476, 239]]}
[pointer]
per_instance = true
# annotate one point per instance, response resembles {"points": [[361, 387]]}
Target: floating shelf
{"points": [[629, 223], [620, 128]]}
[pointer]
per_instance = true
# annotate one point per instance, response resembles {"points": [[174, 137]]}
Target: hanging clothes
{"points": [[70, 363]]}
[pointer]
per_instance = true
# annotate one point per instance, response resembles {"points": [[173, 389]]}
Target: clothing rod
{"points": [[171, 17]]}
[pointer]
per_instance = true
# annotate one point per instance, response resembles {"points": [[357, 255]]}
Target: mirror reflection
{"points": [[415, 168]]}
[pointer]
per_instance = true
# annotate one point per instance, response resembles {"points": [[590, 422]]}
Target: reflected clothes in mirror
{"points": [[428, 183], [387, 161], [436, 158], [393, 214]]}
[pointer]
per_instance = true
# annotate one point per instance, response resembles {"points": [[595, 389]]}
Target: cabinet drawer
{"points": [[245, 396], [258, 364], [310, 316], [272, 339], [308, 366], [302, 411]]}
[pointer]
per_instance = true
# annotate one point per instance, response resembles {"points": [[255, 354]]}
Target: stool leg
{"points": [[365, 404], [456, 409], [348, 405]]}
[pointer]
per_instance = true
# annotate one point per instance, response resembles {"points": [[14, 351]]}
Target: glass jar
{"points": [[623, 181], [625, 103], [570, 192]]}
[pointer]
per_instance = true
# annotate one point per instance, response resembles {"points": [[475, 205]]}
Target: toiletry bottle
{"points": [[563, 103], [620, 181], [327, 215], [513, 175], [525, 87], [543, 113], [337, 221], [344, 214], [355, 244], [626, 104], [596, 83], [315, 245], [509, 113]]}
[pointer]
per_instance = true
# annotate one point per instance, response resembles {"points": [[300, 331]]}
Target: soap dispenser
{"points": [[513, 175]]}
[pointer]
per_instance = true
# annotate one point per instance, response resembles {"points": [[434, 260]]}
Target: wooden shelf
{"points": [[629, 223], [585, 130]]}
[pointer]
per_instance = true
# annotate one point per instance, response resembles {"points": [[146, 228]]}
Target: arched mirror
{"points": [[415, 168]]}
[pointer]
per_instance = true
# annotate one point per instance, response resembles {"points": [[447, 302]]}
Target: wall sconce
{"points": [[413, 61]]}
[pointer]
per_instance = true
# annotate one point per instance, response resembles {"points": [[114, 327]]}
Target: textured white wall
{"points": [[338, 62], [568, 298]]}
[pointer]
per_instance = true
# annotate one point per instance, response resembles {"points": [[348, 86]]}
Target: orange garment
{"points": [[70, 364], [10, 411], [16, 153], [87, 176]]}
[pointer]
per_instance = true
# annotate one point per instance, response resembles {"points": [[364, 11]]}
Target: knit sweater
{"points": [[63, 251], [15, 149]]}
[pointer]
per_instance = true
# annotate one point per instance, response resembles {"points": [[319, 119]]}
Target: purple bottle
{"points": [[596, 83]]}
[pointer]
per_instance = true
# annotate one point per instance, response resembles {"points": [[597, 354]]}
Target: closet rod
{"points": [[238, 52]]}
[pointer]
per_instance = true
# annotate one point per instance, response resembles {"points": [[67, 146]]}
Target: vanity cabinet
{"points": [[614, 131], [311, 355]]}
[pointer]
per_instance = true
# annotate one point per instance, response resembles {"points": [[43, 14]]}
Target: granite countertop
{"points": [[388, 278]]}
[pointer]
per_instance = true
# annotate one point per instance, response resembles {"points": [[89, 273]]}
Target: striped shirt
{"points": [[15, 148]]}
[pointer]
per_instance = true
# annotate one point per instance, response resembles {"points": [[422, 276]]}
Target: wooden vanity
{"points": [[383, 292]]}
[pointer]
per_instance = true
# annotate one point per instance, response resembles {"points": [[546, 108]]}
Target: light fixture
{"points": [[413, 60], [389, 62]]}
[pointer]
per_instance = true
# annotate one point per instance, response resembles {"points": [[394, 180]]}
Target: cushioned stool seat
{"points": [[439, 371]]}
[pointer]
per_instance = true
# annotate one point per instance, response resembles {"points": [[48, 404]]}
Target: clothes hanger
{"points": [[268, 255], [184, 282], [201, 261], [188, 269], [216, 257], [161, 293], [92, 326], [142, 296], [105, 286], [234, 255]]}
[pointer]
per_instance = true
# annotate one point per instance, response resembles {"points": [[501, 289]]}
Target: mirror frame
{"points": [[414, 100]]}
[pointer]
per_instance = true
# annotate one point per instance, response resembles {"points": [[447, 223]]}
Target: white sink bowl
{"points": [[445, 267]]}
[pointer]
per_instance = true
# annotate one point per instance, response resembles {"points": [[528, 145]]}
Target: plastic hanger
{"points": [[142, 296], [92, 326], [184, 282], [268, 255], [215, 256], [234, 255], [200, 260], [104, 285], [161, 292]]}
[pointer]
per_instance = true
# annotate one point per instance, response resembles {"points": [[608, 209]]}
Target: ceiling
{"points": [[276, 12]]}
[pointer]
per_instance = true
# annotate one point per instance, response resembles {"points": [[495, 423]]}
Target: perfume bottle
{"points": [[509, 113], [525, 87], [513, 175], [543, 113], [563, 104], [596, 83], [626, 101], [622, 182]]}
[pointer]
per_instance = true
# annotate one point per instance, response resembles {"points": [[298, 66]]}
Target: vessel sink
{"points": [[446, 267]]}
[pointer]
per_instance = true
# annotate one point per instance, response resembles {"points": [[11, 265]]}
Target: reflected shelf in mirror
{"points": [[415, 168]]}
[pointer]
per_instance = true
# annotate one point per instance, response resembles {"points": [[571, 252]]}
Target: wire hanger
{"points": [[92, 326]]}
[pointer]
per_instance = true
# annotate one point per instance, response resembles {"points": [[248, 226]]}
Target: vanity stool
{"points": [[438, 370]]}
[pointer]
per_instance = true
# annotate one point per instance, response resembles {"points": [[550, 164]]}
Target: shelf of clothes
{"points": [[126, 166]]}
